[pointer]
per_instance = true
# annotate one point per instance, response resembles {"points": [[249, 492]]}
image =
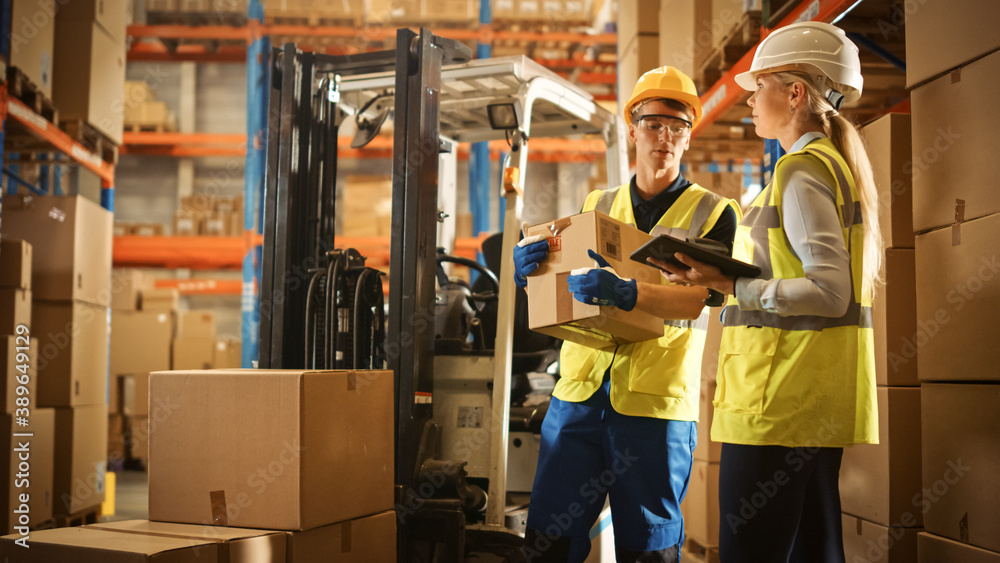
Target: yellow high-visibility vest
{"points": [[797, 380], [659, 378]]}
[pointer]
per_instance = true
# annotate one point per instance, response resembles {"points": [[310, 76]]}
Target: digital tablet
{"points": [[663, 247]]}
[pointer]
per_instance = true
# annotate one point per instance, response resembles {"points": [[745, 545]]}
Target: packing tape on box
{"points": [[345, 538], [956, 228], [352, 381], [222, 546], [564, 299], [559, 225], [220, 517]]}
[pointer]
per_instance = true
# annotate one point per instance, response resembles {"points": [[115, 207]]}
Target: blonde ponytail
{"points": [[848, 142]]}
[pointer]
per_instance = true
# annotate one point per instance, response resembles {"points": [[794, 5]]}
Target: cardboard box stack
{"points": [[285, 11], [638, 43], [209, 216], [143, 323], [561, 13], [552, 309], [89, 64], [70, 298], [32, 34], [18, 393], [455, 13], [956, 218], [878, 482], [143, 112], [365, 207]]}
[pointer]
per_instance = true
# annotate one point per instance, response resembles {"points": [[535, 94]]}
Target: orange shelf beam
{"points": [[199, 253], [726, 93], [234, 144], [223, 32], [49, 132], [225, 253], [202, 286]]}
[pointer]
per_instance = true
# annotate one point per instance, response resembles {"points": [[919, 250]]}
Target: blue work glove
{"points": [[601, 287], [527, 257]]}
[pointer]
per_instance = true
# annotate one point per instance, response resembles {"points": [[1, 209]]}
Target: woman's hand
{"points": [[699, 273]]}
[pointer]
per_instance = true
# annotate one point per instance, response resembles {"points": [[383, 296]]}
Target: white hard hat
{"points": [[818, 48]]}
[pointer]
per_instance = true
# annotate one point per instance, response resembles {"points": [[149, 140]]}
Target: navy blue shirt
{"points": [[649, 212]]}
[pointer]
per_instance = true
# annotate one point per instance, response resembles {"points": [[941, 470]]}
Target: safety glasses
{"points": [[657, 124]]}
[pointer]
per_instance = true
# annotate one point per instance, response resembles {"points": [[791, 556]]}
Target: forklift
{"points": [[451, 347]]}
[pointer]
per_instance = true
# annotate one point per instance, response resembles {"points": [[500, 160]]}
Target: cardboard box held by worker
{"points": [[552, 309]]}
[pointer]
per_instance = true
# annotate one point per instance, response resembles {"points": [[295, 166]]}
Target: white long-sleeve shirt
{"points": [[812, 225]]}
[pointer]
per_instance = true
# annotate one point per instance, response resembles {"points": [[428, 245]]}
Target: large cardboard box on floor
{"points": [[958, 295], [317, 450], [37, 481], [701, 505], [18, 376], [82, 442], [894, 320], [371, 538], [138, 541], [962, 30], [89, 76], [961, 459], [878, 482], [870, 542], [552, 309], [15, 263], [15, 309], [192, 353], [935, 549], [32, 36], [889, 149], [953, 136], [72, 353], [71, 237], [140, 341]]}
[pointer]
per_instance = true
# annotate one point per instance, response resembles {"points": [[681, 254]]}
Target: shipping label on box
{"points": [[318, 450], [552, 309]]}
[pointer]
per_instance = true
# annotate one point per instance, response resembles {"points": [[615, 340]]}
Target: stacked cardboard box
{"points": [[313, 11], [32, 36], [557, 13], [71, 265], [18, 393], [878, 482], [956, 218], [638, 43], [143, 112], [336, 498], [89, 64], [209, 216], [365, 207], [451, 12]]}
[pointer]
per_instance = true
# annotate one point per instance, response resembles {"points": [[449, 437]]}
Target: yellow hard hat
{"points": [[664, 82]]}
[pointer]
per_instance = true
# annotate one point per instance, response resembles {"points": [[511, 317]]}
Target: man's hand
{"points": [[528, 254], [603, 287]]}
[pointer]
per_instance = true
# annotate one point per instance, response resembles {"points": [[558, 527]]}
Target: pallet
{"points": [[235, 19], [728, 50], [22, 88], [82, 518], [149, 127], [92, 139], [703, 553]]}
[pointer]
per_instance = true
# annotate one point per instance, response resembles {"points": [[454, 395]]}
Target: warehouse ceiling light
{"points": [[505, 116]]}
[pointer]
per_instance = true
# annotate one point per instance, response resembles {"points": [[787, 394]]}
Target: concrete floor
{"points": [[131, 496]]}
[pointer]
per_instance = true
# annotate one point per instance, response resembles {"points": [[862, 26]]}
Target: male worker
{"points": [[622, 421]]}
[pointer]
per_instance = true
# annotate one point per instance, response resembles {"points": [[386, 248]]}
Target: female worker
{"points": [[796, 380]]}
